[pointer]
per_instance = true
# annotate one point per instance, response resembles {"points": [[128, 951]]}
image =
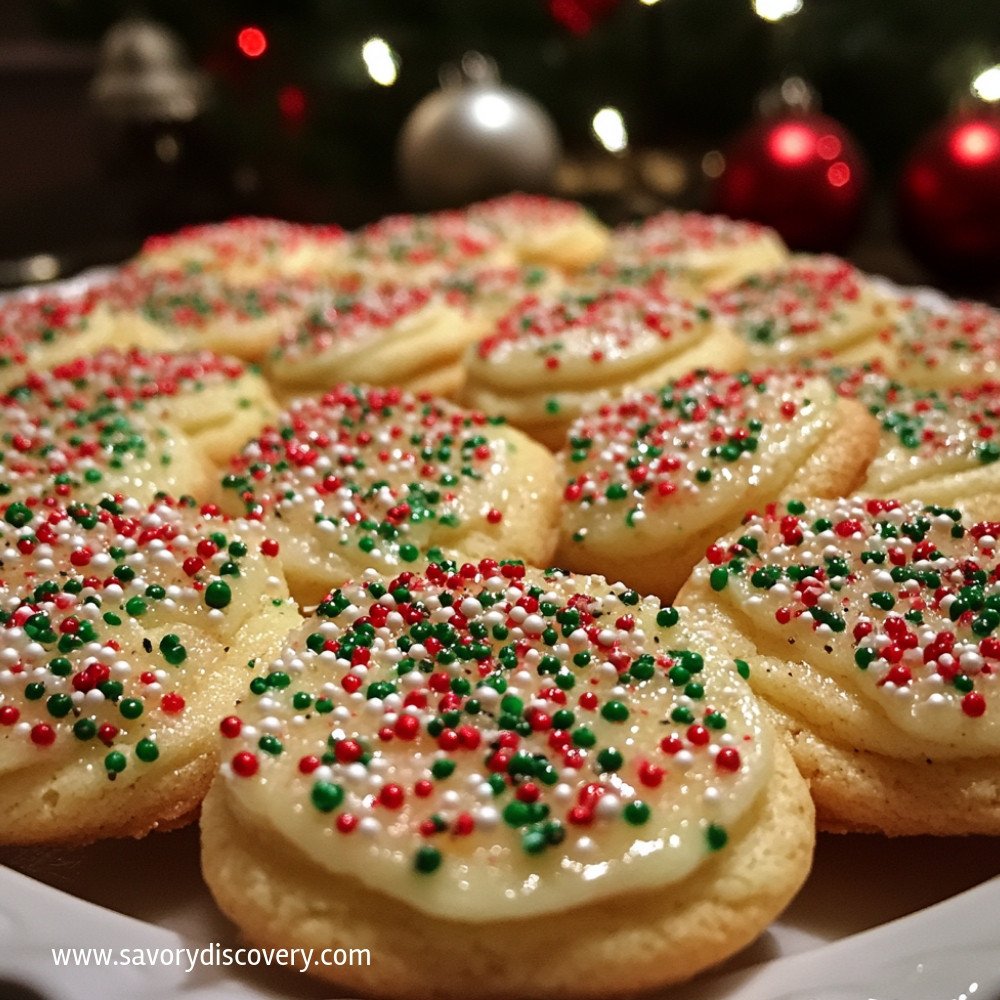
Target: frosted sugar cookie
{"points": [[381, 477], [871, 628], [82, 449], [191, 312], [939, 447], [608, 274], [809, 308], [489, 293], [389, 335], [247, 250], [547, 361], [416, 249], [46, 330], [548, 231], [530, 782], [954, 348], [126, 636], [654, 478], [216, 401], [711, 251]]}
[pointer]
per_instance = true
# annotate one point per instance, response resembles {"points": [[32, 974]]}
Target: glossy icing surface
{"points": [[810, 306], [588, 340], [898, 603], [113, 619], [488, 742], [371, 477], [665, 464]]}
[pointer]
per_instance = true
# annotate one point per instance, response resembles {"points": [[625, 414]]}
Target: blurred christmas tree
{"points": [[310, 95]]}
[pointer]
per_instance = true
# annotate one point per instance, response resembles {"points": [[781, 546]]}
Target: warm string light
{"points": [[776, 10], [986, 85], [609, 129], [251, 41], [381, 61]]}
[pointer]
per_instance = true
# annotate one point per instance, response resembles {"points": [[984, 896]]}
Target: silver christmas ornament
{"points": [[144, 75], [475, 137]]}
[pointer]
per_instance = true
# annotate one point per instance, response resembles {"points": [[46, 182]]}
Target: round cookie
{"points": [[417, 249], [389, 335], [547, 361], [248, 250], [609, 274], [955, 348], [710, 251], [654, 478], [870, 626], [542, 230], [126, 635], [938, 447], [489, 293], [193, 312], [381, 477], [451, 769], [82, 448], [809, 308], [217, 402], [39, 331]]}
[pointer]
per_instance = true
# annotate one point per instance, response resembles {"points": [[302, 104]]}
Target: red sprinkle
{"points": [[245, 764]]}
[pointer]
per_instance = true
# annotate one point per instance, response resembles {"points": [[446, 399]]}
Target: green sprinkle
{"points": [[636, 812], [135, 607], [534, 841], [614, 711], [443, 768], [427, 860], [172, 649], [131, 708], [85, 729], [326, 796], [563, 718], [863, 656], [59, 705], [218, 594], [717, 837], [147, 751], [667, 617], [517, 813], [882, 599], [18, 515], [115, 762]]}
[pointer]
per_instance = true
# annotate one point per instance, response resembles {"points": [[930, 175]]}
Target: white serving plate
{"points": [[879, 919]]}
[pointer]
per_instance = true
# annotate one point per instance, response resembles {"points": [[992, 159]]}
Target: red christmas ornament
{"points": [[802, 173], [950, 196], [580, 16]]}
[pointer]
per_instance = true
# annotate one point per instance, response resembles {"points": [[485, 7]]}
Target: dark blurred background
{"points": [[201, 110]]}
